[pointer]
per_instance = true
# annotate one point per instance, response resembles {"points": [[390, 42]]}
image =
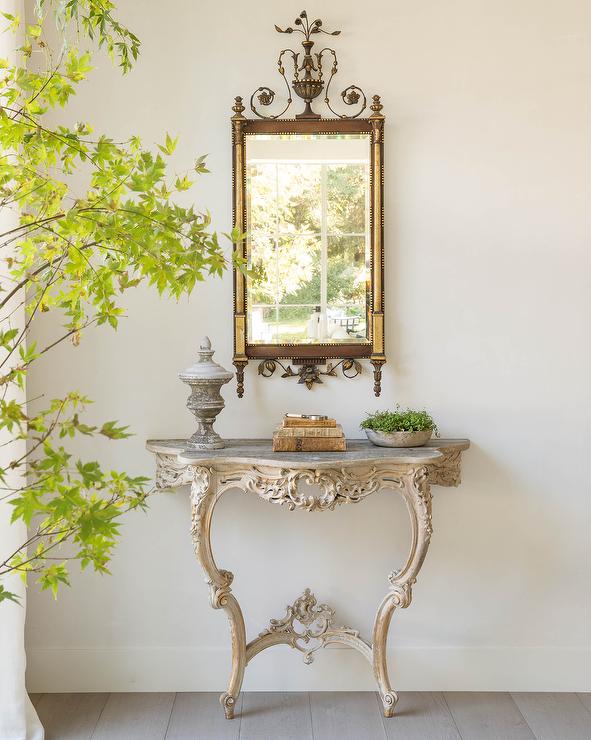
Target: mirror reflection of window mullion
{"points": [[323, 249], [276, 251]]}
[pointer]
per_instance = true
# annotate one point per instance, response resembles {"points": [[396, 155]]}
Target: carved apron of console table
{"points": [[341, 478]]}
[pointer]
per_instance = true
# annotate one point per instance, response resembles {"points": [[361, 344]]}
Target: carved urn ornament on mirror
{"points": [[205, 379], [308, 196]]}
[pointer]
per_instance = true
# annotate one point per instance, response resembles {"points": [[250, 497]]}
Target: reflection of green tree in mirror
{"points": [[341, 287], [298, 202], [346, 198], [262, 254], [308, 238], [298, 262], [263, 190], [347, 254], [284, 199], [288, 264]]}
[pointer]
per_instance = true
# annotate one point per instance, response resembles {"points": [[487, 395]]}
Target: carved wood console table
{"points": [[342, 478]]}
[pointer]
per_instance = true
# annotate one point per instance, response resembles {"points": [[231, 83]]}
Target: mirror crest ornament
{"points": [[307, 86], [308, 198]]}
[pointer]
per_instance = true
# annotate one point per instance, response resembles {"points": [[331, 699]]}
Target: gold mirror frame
{"points": [[308, 357]]}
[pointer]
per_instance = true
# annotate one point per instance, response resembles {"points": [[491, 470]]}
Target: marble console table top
{"points": [[260, 452]]}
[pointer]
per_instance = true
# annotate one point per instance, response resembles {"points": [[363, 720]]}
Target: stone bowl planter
{"points": [[399, 439]]}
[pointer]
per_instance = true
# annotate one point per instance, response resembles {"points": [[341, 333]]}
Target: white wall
{"points": [[488, 231]]}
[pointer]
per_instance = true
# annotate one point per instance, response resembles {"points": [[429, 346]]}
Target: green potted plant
{"points": [[399, 428]]}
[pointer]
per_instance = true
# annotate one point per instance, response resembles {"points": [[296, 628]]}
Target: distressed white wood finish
{"points": [[344, 477], [319, 630]]}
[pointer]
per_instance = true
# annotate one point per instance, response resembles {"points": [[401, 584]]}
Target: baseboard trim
{"points": [[57, 669]]}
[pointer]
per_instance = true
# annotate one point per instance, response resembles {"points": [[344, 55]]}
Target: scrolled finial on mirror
{"points": [[376, 106], [306, 28], [308, 81], [238, 108]]}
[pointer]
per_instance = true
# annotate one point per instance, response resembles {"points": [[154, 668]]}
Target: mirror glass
{"points": [[307, 202]]}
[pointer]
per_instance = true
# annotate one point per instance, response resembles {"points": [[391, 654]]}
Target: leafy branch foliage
{"points": [[93, 218], [400, 420]]}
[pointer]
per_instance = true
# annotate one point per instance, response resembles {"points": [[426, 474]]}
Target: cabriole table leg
{"points": [[414, 487], [204, 496]]}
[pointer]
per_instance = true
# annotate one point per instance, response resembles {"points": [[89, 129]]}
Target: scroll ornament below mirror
{"points": [[309, 374]]}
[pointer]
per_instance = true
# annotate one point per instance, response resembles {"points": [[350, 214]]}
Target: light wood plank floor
{"points": [[316, 716]]}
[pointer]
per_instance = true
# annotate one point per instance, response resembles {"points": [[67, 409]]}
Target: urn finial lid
{"points": [[205, 368]]}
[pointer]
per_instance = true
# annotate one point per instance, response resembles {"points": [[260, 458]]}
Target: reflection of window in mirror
{"points": [[308, 234]]}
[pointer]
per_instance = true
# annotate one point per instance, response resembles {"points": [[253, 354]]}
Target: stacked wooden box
{"points": [[309, 435]]}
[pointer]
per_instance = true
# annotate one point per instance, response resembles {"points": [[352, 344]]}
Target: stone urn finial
{"points": [[205, 378]]}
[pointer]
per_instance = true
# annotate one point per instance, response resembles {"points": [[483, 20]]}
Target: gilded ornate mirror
{"points": [[308, 197]]}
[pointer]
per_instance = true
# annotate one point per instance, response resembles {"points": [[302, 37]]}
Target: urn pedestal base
{"points": [[205, 378]]}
